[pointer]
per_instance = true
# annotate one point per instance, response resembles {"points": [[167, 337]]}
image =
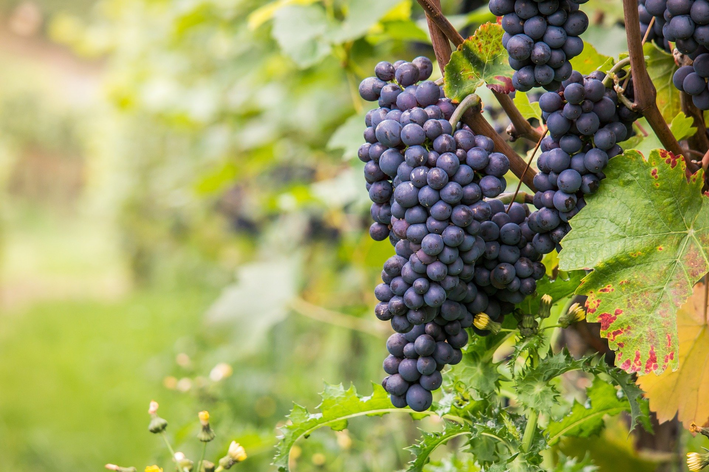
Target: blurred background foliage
{"points": [[183, 220]]}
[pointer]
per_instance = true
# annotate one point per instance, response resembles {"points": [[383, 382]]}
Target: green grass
{"points": [[76, 379]]}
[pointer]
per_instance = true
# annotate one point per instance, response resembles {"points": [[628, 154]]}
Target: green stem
{"points": [[609, 77], [169, 448], [201, 459], [529, 431], [468, 102]]}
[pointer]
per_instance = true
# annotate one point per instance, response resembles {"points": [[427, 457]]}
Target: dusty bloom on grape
{"points": [[696, 461]]}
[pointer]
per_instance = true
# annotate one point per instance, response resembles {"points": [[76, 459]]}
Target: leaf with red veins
{"points": [[480, 60], [646, 236]]}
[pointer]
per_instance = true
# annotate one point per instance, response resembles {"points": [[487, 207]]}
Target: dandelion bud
{"points": [[481, 321], [696, 461], [694, 429], [545, 306], [207, 466], [236, 452], [207, 434], [574, 314], [185, 465], [153, 468], [157, 424], [528, 326], [120, 469]]}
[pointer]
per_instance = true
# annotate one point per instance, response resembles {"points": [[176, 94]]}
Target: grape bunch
{"points": [[541, 38], [585, 122], [693, 81], [682, 22], [457, 255]]}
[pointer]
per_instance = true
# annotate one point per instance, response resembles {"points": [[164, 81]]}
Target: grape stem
{"points": [[319, 313], [437, 21], [610, 77], [645, 93], [529, 163], [468, 102], [519, 197], [441, 46]]}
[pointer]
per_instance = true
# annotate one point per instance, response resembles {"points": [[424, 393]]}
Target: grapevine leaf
{"points": [[646, 235], [305, 46], [479, 60], [528, 110], [337, 407], [572, 464], [584, 422], [430, 441], [661, 67], [559, 288], [683, 392], [682, 126], [348, 137], [361, 15], [590, 59]]}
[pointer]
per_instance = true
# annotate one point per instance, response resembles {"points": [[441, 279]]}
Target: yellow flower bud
{"points": [[481, 321], [696, 461], [236, 452], [153, 468], [203, 417]]}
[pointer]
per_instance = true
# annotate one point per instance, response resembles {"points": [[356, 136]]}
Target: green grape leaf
{"points": [[646, 235], [305, 46], [572, 464], [528, 110], [348, 136], [661, 67], [430, 441], [480, 60], [590, 59], [559, 288], [361, 15], [337, 407], [682, 126], [584, 422]]}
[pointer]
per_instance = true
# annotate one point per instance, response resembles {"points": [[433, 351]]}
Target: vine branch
{"points": [[473, 116], [435, 16], [645, 93]]}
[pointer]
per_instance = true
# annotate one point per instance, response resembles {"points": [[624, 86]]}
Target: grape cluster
{"points": [[457, 254], [693, 81], [683, 22], [541, 38], [585, 122]]}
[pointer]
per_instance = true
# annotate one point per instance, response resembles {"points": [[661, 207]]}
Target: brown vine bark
{"points": [[645, 93], [473, 117]]}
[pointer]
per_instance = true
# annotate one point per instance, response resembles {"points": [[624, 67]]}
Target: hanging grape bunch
{"points": [[428, 180], [685, 23], [586, 121], [541, 38], [692, 79]]}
